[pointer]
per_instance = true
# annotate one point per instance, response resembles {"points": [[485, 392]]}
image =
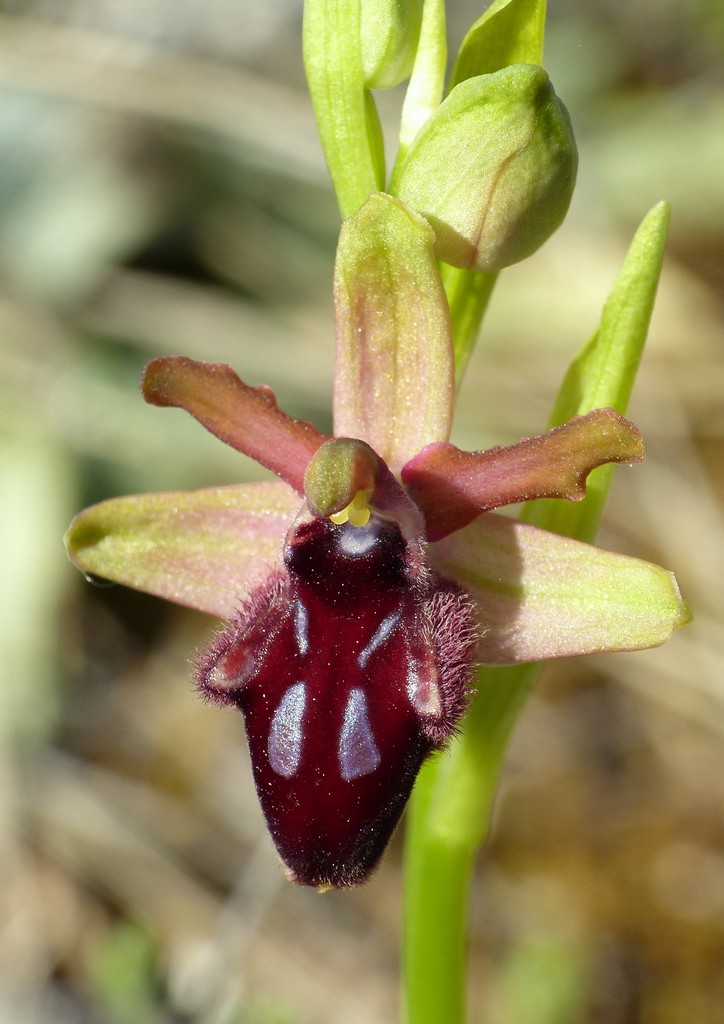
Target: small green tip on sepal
{"points": [[686, 615], [78, 536]]}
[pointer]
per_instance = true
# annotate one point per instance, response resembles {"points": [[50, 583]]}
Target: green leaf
{"points": [[509, 32], [394, 368], [335, 75], [604, 371]]}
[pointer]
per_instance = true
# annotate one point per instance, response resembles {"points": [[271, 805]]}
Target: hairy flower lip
{"points": [[342, 613], [350, 665], [522, 594]]}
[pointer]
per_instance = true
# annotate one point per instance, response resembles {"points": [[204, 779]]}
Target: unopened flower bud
{"points": [[389, 30], [493, 169]]}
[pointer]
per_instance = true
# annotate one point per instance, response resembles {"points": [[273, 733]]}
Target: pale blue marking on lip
{"points": [[284, 745], [358, 753]]}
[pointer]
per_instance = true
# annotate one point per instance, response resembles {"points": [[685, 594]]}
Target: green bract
{"points": [[389, 31], [508, 32], [493, 169]]}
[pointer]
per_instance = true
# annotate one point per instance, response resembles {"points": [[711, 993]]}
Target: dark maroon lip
{"points": [[337, 667]]}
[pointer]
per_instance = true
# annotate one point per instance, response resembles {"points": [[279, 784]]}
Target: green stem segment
{"points": [[468, 294], [436, 925], [427, 82], [447, 823]]}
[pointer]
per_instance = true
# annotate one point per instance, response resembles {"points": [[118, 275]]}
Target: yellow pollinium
{"points": [[357, 512]]}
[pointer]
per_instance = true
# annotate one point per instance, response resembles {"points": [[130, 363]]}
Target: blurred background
{"points": [[162, 191]]}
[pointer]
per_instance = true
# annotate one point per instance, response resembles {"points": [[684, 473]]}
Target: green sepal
{"points": [[394, 368], [540, 596], [205, 549]]}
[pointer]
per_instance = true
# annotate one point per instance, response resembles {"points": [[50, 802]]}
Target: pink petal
{"points": [[543, 596], [394, 375], [246, 418], [206, 549], [452, 487]]}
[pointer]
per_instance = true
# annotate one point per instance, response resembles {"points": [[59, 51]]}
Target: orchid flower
{"points": [[362, 587]]}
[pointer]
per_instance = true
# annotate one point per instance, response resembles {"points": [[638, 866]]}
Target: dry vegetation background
{"points": [[162, 191]]}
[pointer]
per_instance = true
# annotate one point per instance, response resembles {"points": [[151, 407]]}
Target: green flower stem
{"points": [[435, 925], [449, 813], [427, 82], [468, 295], [447, 823], [345, 112]]}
